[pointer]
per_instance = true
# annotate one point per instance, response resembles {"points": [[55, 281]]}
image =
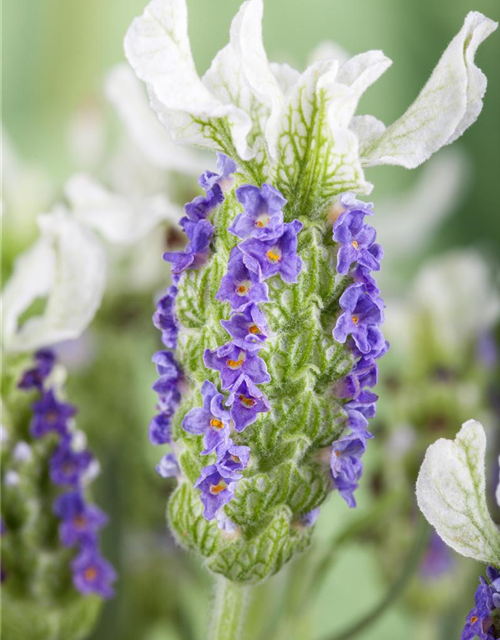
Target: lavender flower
{"points": [[263, 216], [346, 466], [67, 467], [232, 459], [80, 521], [159, 429], [232, 362], [268, 258], [214, 184], [246, 402], [484, 620], [92, 573], [357, 241], [49, 414], [168, 466], [35, 377], [212, 420], [240, 286], [361, 312], [216, 490], [199, 234], [248, 329], [165, 320]]}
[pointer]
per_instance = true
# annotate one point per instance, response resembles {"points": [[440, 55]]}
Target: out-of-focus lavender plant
{"points": [[272, 326]]}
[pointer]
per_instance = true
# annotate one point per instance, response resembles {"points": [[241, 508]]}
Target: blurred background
{"points": [[440, 227]]}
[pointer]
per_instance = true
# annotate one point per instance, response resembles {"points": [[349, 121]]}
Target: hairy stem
{"points": [[229, 610]]}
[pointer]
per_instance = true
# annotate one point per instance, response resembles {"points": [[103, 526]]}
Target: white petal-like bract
{"points": [[67, 265], [119, 219], [448, 104], [451, 494]]}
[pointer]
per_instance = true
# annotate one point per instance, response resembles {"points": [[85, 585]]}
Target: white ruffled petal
{"points": [[68, 265], [246, 39], [451, 494], [120, 220], [448, 104], [130, 100], [157, 47]]}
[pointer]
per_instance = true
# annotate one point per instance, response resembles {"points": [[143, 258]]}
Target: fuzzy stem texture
{"points": [[229, 610]]}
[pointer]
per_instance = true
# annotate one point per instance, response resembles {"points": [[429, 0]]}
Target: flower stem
{"points": [[228, 610]]}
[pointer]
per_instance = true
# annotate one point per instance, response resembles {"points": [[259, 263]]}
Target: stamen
{"points": [[215, 489], [273, 255], [243, 288], [236, 364], [474, 619], [247, 402], [254, 329], [235, 459], [355, 244], [79, 522], [262, 221], [90, 574], [216, 424], [355, 319]]}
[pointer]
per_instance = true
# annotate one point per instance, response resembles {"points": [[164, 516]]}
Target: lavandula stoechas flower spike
{"points": [[276, 305], [50, 554], [266, 397]]}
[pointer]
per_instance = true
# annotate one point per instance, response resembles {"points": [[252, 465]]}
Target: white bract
{"points": [[451, 493], [67, 267], [290, 128]]}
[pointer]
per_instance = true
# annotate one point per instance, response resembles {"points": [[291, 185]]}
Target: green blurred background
{"points": [[55, 54]]}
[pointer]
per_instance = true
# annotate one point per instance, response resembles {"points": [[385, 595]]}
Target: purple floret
{"points": [[212, 420], [262, 217], [232, 459], [232, 362], [483, 621], [246, 402], [34, 378], [159, 429], [268, 258], [357, 242], [195, 255], [240, 286], [214, 185], [92, 573], [216, 490], [67, 466], [346, 466], [50, 415], [361, 313], [248, 329], [168, 466], [165, 320], [80, 521]]}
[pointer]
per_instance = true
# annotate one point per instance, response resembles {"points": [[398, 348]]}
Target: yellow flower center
{"points": [[215, 489], [243, 288], [235, 459], [474, 619], [355, 244], [236, 364], [216, 424], [355, 319], [262, 221], [79, 522], [247, 402], [273, 255], [254, 329], [90, 573]]}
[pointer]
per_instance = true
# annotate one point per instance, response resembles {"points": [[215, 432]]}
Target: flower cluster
{"points": [[195, 225], [358, 255], [199, 232], [268, 248], [71, 467], [483, 621]]}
